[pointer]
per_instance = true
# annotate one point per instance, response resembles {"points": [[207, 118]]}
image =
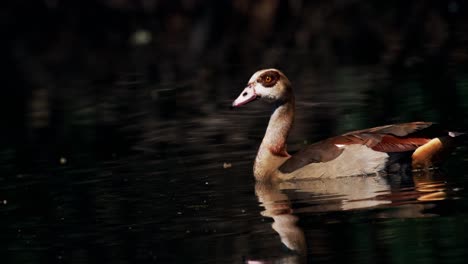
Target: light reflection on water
{"points": [[374, 198], [121, 149], [188, 207], [183, 192]]}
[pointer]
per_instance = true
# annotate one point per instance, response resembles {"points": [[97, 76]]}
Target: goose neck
{"points": [[272, 152]]}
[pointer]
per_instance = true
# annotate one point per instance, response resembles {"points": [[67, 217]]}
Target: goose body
{"points": [[355, 153]]}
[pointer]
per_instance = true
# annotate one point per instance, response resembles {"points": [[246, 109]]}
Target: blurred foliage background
{"points": [[98, 74]]}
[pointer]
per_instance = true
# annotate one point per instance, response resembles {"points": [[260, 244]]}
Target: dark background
{"points": [[115, 120], [73, 71]]}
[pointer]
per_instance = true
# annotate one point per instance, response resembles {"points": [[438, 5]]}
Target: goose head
{"points": [[270, 85]]}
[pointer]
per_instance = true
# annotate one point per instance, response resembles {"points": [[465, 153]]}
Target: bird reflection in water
{"points": [[407, 195], [278, 206]]}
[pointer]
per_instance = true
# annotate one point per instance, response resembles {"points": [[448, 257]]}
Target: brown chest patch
{"points": [[279, 151]]}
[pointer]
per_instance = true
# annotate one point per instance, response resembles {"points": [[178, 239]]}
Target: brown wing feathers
{"points": [[396, 144], [383, 143], [391, 138], [399, 130]]}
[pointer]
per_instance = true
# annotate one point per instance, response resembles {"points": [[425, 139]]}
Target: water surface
{"points": [[184, 192]]}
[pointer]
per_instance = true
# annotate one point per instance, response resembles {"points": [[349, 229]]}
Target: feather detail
{"points": [[424, 156], [397, 144], [399, 130]]}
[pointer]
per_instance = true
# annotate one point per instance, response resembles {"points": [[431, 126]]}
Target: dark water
{"points": [[117, 145], [185, 194]]}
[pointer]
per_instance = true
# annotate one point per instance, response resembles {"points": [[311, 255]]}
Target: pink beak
{"points": [[247, 96]]}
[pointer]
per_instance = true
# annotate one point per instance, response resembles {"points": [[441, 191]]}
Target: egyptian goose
{"points": [[360, 152]]}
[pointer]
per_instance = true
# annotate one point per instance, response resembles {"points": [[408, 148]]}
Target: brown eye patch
{"points": [[269, 78]]}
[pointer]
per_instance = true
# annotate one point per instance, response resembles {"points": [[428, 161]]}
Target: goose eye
{"points": [[269, 79]]}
